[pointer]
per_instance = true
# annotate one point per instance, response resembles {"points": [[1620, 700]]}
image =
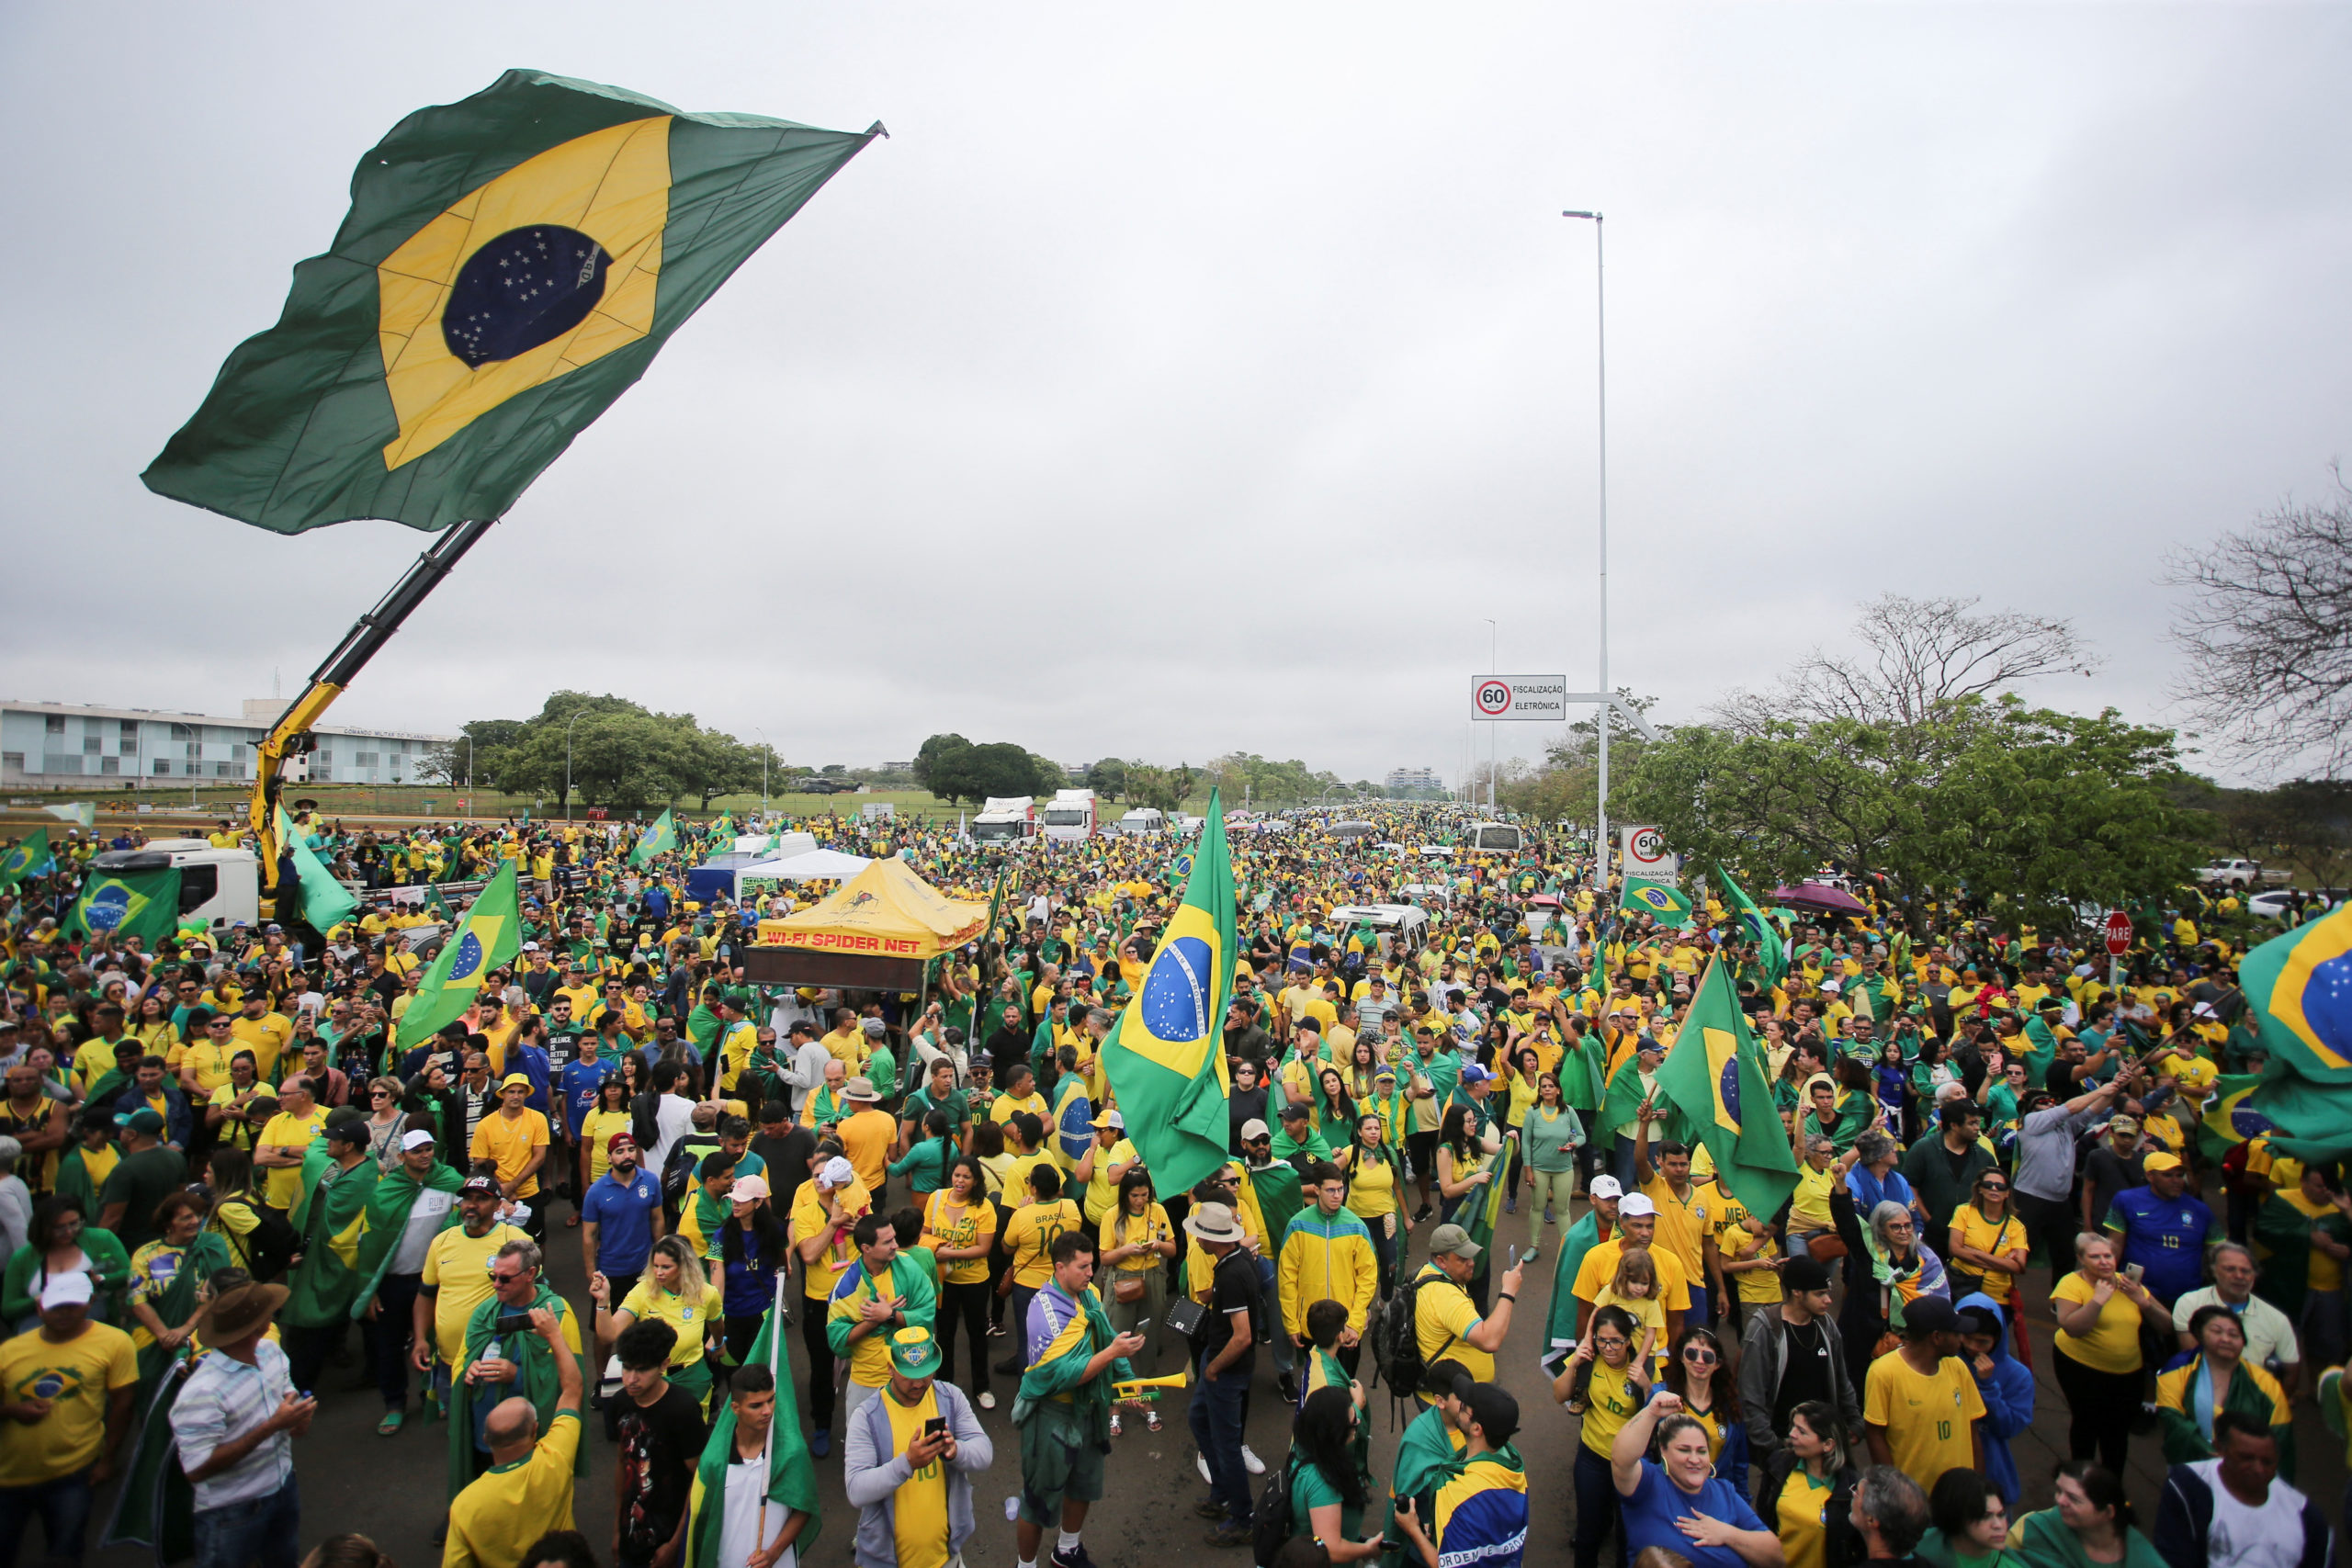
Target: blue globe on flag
{"points": [[1175, 994], [1727, 1088], [469, 957], [108, 908]]}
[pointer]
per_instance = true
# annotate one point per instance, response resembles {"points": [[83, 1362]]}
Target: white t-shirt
{"points": [[2269, 1537], [738, 1531], [673, 1117], [416, 1238]]}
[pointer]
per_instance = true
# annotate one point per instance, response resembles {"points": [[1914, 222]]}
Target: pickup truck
{"points": [[2241, 873]]}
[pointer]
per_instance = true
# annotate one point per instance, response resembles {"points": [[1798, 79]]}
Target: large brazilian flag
{"points": [[509, 265], [1165, 1056], [28, 857], [2300, 986], [490, 935], [127, 903], [1715, 1073]]}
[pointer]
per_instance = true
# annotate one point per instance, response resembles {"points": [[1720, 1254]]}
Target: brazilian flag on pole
{"points": [[792, 1474], [490, 934], [326, 903], [1163, 1055], [127, 903], [1668, 903], [1714, 1075], [509, 265], [1770, 950], [2300, 988], [658, 840], [29, 856]]}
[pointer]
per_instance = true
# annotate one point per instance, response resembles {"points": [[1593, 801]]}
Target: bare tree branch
{"points": [[2268, 631]]}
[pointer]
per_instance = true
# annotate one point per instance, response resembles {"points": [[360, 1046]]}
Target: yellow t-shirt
{"points": [[264, 1036], [1802, 1519], [1613, 1399], [1371, 1185], [507, 1507], [457, 1266], [1809, 1203], [1737, 1243], [817, 1278], [596, 1129], [1442, 1316], [282, 1188], [2326, 1273], [1123, 1229], [1600, 1266], [1101, 1192], [1029, 1236], [973, 1227], [866, 1137], [1644, 1311], [510, 1143], [688, 1316], [919, 1504], [1927, 1418], [210, 1062], [75, 1377], [2113, 1343], [1017, 1191], [1975, 1230]]}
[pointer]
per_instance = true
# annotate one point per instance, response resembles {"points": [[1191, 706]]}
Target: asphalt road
{"points": [[393, 1489]]}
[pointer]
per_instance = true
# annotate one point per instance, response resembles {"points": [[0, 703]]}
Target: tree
{"points": [[478, 747], [959, 770], [620, 752], [1108, 779], [930, 754], [1917, 653], [2267, 629], [2306, 823]]}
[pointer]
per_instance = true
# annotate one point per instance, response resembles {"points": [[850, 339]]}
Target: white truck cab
{"points": [[1005, 816], [1069, 815], [1143, 821]]}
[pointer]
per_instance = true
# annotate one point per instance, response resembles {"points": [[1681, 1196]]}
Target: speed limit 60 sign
{"points": [[1542, 698]]}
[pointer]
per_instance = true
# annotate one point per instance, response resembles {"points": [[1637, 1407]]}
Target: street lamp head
{"points": [[1594, 216]]}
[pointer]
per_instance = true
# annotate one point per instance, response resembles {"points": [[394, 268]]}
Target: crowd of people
{"points": [[222, 1158]]}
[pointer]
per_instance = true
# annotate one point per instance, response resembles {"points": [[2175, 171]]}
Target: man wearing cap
{"points": [[1474, 1512], [1921, 1405], [407, 1207], [261, 1029], [148, 1172], [283, 1140], [1637, 1230], [526, 1490], [2162, 1227], [2114, 1165], [1064, 1409], [455, 1277], [65, 1398], [324, 1284], [1792, 1352], [514, 1138], [1445, 1321], [910, 1456], [1109, 1156], [869, 1136], [824, 1217], [1598, 1224], [233, 1424]]}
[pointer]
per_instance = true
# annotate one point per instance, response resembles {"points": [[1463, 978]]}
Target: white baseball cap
{"points": [[416, 1138], [65, 1289], [1635, 1206], [1606, 1186], [1255, 1128]]}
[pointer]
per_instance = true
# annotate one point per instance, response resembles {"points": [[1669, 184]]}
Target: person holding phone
{"points": [[909, 1459]]}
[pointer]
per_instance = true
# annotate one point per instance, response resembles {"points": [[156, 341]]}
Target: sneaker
{"points": [[1232, 1533], [1251, 1462], [1074, 1559], [1510, 1205], [1421, 1213], [1287, 1385], [1201, 1462], [996, 1331], [1210, 1509], [820, 1442], [1530, 1255], [988, 1399], [1012, 1367], [1115, 1430]]}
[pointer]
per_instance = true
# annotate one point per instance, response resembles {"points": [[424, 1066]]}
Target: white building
{"points": [[1414, 778], [63, 745]]}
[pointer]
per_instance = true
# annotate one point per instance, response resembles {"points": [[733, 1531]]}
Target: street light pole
{"points": [[1494, 667], [1600, 356], [765, 749], [567, 762]]}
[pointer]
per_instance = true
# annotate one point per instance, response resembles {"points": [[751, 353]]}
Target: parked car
{"points": [[2279, 903], [2241, 874]]}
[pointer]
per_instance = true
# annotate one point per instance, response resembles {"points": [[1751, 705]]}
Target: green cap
{"points": [[914, 1353]]}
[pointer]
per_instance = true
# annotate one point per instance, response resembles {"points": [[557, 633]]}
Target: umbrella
{"points": [[1822, 897]]}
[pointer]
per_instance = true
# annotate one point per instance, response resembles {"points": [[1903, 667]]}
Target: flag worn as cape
{"points": [[29, 856], [537, 1384], [1163, 1055], [509, 265], [156, 1506], [1770, 950], [389, 1203], [489, 936], [326, 903], [1716, 1076], [658, 840], [792, 1474], [333, 1216]]}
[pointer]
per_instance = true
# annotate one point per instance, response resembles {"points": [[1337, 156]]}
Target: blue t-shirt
{"points": [[623, 1216], [2164, 1236], [579, 1083], [1656, 1503]]}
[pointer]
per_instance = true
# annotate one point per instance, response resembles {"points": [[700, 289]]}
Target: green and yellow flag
{"points": [[1667, 903], [490, 934], [792, 1474], [29, 856], [127, 903], [1714, 1075], [509, 265], [1770, 949], [326, 903], [1163, 1055], [658, 840]]}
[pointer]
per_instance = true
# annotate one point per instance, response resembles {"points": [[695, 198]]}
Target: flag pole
{"points": [[767, 1445]]}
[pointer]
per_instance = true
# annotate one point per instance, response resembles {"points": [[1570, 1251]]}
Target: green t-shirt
{"points": [[1310, 1489]]}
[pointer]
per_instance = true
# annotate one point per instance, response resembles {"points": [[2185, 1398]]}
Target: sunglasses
{"points": [[1699, 1356], [1991, 1187]]}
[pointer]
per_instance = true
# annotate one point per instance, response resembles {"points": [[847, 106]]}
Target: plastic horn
{"points": [[1146, 1388]]}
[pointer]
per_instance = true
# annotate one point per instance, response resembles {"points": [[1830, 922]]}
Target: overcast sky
{"points": [[1187, 378]]}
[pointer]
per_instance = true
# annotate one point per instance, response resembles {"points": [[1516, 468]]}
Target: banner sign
{"points": [[1643, 854]]}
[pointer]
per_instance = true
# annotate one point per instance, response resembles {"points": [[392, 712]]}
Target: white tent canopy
{"points": [[787, 844], [804, 867]]}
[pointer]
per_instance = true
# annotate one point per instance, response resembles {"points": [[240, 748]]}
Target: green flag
{"points": [[1163, 1055], [127, 903], [490, 935], [510, 263], [1771, 951], [326, 903], [792, 1475], [658, 840], [438, 907], [29, 856], [1668, 903], [1714, 1075]]}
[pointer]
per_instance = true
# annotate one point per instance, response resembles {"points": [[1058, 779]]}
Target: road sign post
{"points": [[2118, 943]]}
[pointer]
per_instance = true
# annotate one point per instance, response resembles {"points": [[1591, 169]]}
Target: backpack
{"points": [[1396, 1341], [269, 1248], [1269, 1528], [680, 1173]]}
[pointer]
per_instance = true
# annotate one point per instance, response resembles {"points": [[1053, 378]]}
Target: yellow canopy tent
{"points": [[884, 913]]}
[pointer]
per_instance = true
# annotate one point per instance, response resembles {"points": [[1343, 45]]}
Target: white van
{"points": [[1496, 836], [1142, 821], [221, 886]]}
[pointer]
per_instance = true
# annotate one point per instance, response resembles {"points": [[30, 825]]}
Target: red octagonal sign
{"points": [[2118, 933]]}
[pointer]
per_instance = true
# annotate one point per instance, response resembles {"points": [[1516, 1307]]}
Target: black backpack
{"points": [[1270, 1530], [1396, 1341], [267, 1250]]}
